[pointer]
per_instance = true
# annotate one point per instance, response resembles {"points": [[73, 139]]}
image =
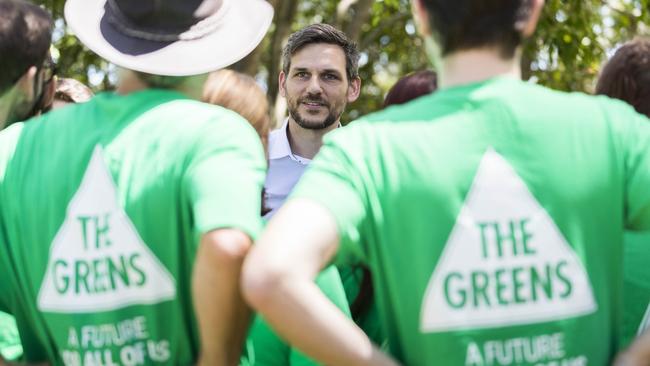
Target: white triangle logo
{"points": [[98, 262], [505, 263]]}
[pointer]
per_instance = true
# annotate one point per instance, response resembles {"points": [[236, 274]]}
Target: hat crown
{"points": [[163, 16]]}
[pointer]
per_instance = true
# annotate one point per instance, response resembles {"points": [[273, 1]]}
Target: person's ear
{"points": [[354, 89], [282, 78], [421, 17], [26, 82], [531, 23]]}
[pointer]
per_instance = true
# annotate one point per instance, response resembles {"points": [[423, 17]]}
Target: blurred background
{"points": [[572, 40]]}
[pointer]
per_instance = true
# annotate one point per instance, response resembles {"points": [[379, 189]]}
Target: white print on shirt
{"points": [[98, 262], [540, 350], [125, 343], [505, 262]]}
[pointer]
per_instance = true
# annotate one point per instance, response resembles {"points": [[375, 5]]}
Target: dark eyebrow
{"points": [[299, 69], [331, 71]]}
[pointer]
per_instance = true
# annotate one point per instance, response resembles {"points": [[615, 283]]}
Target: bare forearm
{"points": [[637, 354], [332, 338], [222, 314]]}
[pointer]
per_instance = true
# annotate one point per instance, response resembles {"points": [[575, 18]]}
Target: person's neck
{"points": [[305, 142], [191, 89], [471, 66]]}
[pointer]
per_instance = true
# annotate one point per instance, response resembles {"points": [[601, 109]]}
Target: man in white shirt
{"points": [[319, 78]]}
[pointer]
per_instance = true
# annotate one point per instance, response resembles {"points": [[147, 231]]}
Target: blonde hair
{"points": [[240, 93], [72, 91]]}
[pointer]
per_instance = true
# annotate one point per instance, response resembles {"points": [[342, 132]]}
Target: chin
{"points": [[313, 125]]}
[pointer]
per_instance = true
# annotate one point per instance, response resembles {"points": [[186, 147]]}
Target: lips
{"points": [[314, 103]]}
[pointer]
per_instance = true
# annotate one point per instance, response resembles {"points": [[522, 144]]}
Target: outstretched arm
{"points": [[638, 354], [221, 312], [279, 282]]}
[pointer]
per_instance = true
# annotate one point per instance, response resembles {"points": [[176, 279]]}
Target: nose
{"points": [[314, 86]]}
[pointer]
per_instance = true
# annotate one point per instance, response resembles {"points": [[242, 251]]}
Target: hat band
{"points": [[199, 30]]}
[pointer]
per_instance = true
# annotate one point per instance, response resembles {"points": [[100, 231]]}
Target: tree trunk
{"points": [[285, 12], [353, 16], [250, 64]]}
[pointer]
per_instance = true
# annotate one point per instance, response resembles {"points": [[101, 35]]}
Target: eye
{"points": [[330, 77], [302, 75]]}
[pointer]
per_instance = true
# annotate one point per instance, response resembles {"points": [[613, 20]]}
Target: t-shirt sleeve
{"points": [[637, 170], [335, 181], [223, 182], [8, 140]]}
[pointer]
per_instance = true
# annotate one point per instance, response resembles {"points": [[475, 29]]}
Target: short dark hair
{"points": [[411, 86], [466, 24], [627, 75], [322, 33], [25, 37]]}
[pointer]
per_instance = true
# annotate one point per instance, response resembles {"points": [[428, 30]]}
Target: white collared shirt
{"points": [[285, 169]]}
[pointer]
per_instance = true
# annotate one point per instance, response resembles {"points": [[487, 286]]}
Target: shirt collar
{"points": [[279, 146], [279, 142]]}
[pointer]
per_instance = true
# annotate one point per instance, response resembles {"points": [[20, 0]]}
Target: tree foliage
{"points": [[573, 38]]}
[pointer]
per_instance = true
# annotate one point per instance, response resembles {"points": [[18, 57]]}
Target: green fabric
{"points": [[636, 290], [103, 205], [368, 320], [10, 347], [491, 216], [265, 348]]}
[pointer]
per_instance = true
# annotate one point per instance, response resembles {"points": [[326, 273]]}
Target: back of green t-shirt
{"points": [[636, 290], [103, 205], [491, 216]]}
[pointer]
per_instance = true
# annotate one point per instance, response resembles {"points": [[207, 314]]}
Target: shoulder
{"points": [[9, 138], [210, 122], [193, 110]]}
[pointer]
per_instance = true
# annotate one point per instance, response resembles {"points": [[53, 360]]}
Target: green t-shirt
{"points": [[636, 292], [103, 207], [265, 348], [492, 218], [10, 347], [368, 319]]}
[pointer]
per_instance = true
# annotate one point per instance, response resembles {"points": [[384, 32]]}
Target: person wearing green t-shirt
{"points": [[626, 77], [491, 213], [241, 94], [25, 38], [125, 220]]}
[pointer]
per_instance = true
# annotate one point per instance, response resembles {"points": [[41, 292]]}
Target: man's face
{"points": [[316, 87]]}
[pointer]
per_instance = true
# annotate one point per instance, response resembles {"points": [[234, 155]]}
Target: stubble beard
{"points": [[333, 116]]}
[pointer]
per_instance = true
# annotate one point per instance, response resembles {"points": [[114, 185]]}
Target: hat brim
{"points": [[242, 28]]}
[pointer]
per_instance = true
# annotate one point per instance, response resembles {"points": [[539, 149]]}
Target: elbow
{"points": [[225, 247], [261, 283]]}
